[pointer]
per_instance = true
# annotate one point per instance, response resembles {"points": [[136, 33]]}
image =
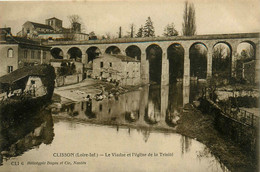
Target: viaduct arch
{"points": [[125, 45]]}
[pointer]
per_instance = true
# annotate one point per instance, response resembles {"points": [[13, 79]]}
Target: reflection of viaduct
{"points": [[124, 44]]}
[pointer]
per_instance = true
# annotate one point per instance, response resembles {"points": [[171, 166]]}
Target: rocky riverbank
{"points": [[94, 89]]}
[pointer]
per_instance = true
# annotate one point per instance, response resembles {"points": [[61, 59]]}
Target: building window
{"points": [[25, 53], [39, 54], [101, 73], [10, 69], [32, 54], [110, 74], [100, 107], [28, 31], [10, 52], [101, 64], [110, 64], [44, 55]]}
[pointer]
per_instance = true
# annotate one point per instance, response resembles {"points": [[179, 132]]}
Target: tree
{"points": [[76, 24], [132, 30], [108, 35], [74, 18], [189, 25], [198, 61], [140, 32], [246, 55], [120, 32], [170, 30], [92, 36], [221, 61], [148, 30]]}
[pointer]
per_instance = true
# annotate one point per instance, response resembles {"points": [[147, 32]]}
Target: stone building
{"points": [[55, 23], [32, 29], [16, 52], [124, 69], [52, 29]]}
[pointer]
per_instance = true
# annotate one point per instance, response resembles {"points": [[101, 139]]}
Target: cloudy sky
{"points": [[212, 16]]}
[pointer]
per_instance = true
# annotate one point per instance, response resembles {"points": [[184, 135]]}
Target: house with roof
{"points": [[32, 29], [117, 67], [52, 29], [17, 52]]}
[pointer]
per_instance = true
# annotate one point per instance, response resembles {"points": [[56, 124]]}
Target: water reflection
{"points": [[175, 104], [21, 134], [185, 144], [157, 106], [154, 106]]}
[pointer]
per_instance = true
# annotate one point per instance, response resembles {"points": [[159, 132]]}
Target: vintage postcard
{"points": [[129, 86]]}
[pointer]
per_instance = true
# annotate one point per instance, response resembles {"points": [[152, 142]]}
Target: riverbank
{"points": [[92, 87], [201, 127]]}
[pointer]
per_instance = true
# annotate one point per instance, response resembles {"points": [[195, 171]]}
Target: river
{"points": [[134, 131]]}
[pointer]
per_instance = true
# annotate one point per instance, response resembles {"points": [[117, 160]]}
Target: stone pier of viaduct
{"points": [[209, 41]]}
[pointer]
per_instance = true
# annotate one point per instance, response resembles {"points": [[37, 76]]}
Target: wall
{"points": [[77, 36], [131, 73], [8, 61], [114, 70], [27, 26], [68, 80], [128, 73]]}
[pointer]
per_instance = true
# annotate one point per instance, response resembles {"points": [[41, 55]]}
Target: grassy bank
{"points": [[201, 126]]}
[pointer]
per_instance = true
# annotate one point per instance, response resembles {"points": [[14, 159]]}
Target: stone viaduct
{"points": [[209, 41]]}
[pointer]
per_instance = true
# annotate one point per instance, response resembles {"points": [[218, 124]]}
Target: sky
{"points": [[212, 16]]}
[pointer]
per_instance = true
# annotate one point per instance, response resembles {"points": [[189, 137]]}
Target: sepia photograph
{"points": [[129, 86]]}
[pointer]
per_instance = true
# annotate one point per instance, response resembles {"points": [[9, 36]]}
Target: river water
{"points": [[130, 132]]}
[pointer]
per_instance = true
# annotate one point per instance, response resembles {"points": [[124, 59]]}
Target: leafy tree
{"points": [[148, 28], [198, 61], [221, 61], [63, 69], [140, 33], [189, 24], [67, 69], [170, 30]]}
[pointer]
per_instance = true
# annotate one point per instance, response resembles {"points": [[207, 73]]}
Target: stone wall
{"points": [[68, 80]]}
